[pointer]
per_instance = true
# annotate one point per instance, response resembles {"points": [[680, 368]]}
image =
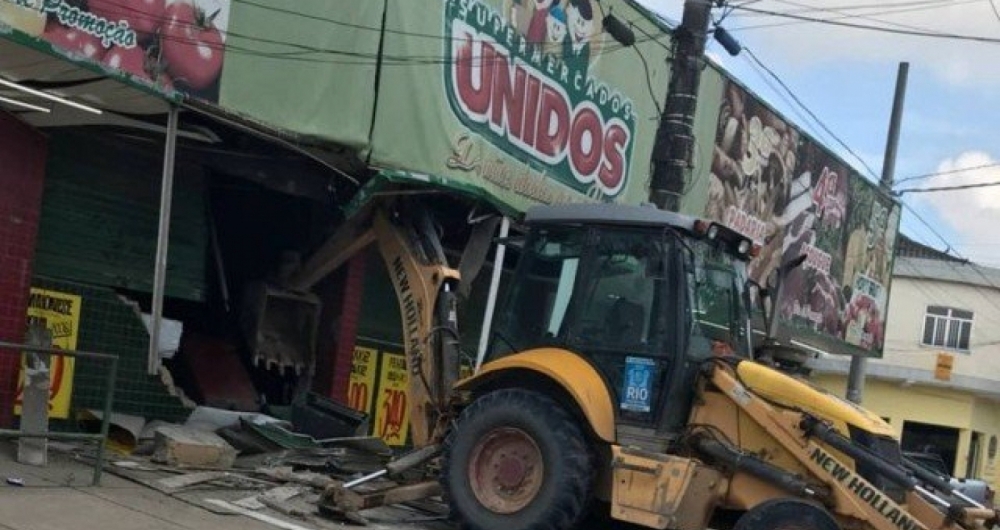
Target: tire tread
{"points": [[574, 486]]}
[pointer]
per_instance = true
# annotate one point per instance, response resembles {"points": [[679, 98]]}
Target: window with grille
{"points": [[947, 327]]}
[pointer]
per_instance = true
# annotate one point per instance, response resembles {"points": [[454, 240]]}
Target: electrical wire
{"points": [[949, 188], [649, 83], [948, 172], [867, 16], [952, 250], [913, 33], [807, 123], [651, 37], [837, 11], [810, 112], [996, 12], [894, 6]]}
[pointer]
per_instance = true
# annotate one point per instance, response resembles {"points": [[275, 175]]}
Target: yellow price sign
{"points": [[392, 411], [60, 314], [361, 388]]}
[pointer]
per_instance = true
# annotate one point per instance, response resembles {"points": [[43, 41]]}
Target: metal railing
{"points": [[109, 392]]}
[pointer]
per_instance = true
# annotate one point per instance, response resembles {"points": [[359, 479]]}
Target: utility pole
{"points": [[674, 145], [856, 375]]}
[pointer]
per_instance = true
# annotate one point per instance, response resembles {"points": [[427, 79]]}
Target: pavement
{"points": [[59, 497]]}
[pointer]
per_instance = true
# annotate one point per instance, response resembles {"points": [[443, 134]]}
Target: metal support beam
{"points": [[162, 241], [491, 300]]}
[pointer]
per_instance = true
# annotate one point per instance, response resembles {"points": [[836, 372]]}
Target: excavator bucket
{"points": [[280, 326]]}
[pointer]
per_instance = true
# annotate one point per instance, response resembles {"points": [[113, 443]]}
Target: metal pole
{"points": [[491, 301], [892, 142], [162, 241], [856, 374], [109, 405]]}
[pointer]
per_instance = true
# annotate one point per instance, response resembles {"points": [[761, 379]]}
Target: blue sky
{"points": [[847, 76]]}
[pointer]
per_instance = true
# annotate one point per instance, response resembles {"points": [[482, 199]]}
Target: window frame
{"points": [[940, 322]]}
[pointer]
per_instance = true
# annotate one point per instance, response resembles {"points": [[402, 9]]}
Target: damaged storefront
{"points": [[145, 222], [258, 279]]}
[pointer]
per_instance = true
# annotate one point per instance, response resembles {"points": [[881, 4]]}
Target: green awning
{"points": [[388, 179]]}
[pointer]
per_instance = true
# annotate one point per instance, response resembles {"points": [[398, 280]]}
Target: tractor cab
{"points": [[644, 295]]}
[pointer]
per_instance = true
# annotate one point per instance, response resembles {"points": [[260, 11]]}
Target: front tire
{"points": [[517, 461]]}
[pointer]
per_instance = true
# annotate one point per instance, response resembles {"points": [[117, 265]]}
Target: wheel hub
{"points": [[506, 470]]}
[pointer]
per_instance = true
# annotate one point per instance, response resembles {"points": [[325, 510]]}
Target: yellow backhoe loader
{"points": [[620, 381]]}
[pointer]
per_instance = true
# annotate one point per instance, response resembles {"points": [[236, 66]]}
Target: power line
{"points": [[649, 83], [996, 12], [914, 33], [948, 172], [951, 248], [811, 113], [949, 188], [784, 97], [921, 6], [948, 247], [896, 6], [868, 17]]}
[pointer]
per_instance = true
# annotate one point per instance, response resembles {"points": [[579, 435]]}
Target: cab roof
{"points": [[608, 214]]}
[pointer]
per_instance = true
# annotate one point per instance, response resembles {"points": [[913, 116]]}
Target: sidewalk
{"points": [[59, 497]]}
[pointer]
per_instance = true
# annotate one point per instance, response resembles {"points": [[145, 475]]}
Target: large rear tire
{"points": [[786, 514], [517, 461]]}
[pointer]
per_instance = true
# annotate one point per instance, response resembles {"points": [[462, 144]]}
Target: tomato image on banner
{"points": [[60, 314], [167, 44], [392, 412], [361, 388]]}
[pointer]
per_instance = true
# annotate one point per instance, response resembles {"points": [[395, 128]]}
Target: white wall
{"points": [[908, 302]]}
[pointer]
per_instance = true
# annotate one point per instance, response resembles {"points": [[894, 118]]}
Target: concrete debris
{"points": [[280, 523], [171, 484], [275, 483], [184, 446], [284, 508], [283, 493], [250, 503], [287, 474], [130, 464]]}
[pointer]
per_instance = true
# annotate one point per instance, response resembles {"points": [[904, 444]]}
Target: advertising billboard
{"points": [[529, 101], [794, 198]]}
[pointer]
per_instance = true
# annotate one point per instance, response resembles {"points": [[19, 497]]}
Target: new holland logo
{"points": [[883, 505], [535, 99]]}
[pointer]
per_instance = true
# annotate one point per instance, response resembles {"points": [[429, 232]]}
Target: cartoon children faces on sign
{"points": [[570, 29]]}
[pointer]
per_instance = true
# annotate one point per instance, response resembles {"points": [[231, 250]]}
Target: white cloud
{"points": [[798, 44], [973, 214]]}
